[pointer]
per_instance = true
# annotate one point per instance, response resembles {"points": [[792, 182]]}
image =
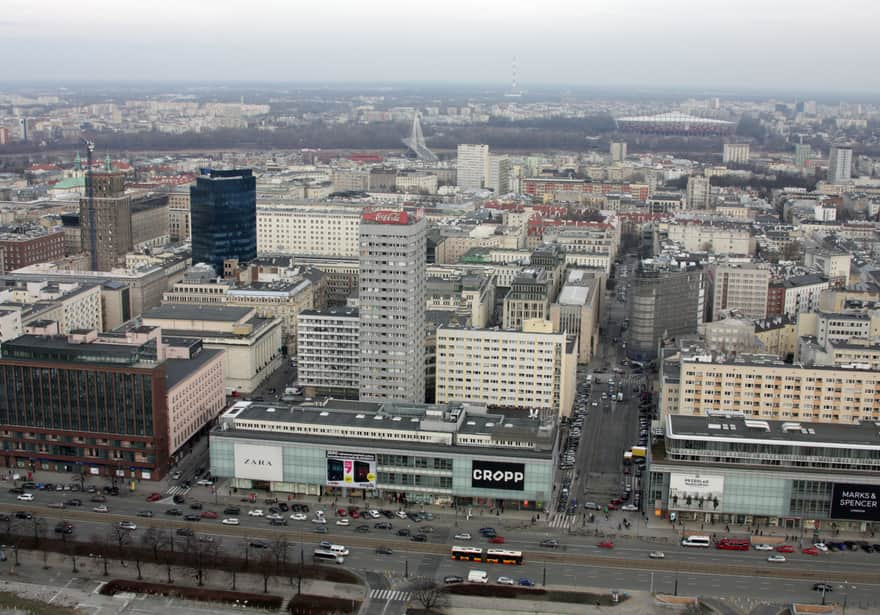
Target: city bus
{"points": [[500, 556], [733, 544], [469, 554], [696, 541], [324, 554]]}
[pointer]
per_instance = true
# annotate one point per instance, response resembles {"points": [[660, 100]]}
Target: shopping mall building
{"points": [[729, 469], [400, 452]]}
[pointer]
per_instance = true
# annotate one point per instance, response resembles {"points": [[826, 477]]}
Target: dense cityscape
{"points": [[456, 349]]}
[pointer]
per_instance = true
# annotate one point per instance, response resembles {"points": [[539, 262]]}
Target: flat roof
{"points": [[183, 311], [789, 432], [178, 369]]}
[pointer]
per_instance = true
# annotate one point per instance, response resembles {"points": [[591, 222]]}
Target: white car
{"points": [[401, 514], [656, 555], [100, 508], [257, 512], [506, 581], [299, 516], [375, 514], [230, 521], [204, 482], [274, 516], [776, 559], [26, 497], [763, 547], [821, 546], [320, 520], [629, 507], [344, 522], [463, 536], [128, 525]]}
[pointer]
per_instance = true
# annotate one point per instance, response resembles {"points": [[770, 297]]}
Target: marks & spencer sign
{"points": [[498, 475], [854, 501]]}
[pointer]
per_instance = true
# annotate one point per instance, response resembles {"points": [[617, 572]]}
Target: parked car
{"points": [[763, 547], [526, 582], [463, 536], [451, 578], [209, 514], [230, 521], [256, 512], [506, 581], [810, 551], [785, 549], [656, 555], [175, 512], [298, 516], [154, 497], [192, 517], [606, 544], [26, 497]]}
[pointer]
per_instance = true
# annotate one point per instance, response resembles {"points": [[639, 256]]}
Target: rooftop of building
{"points": [[735, 427], [809, 279], [185, 311], [176, 370], [453, 418], [24, 233], [58, 348]]}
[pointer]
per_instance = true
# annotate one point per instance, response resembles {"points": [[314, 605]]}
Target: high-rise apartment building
{"points": [[698, 192], [839, 165], [223, 209], [105, 219], [472, 166], [802, 153], [618, 151], [498, 177], [736, 153], [329, 357], [392, 299]]}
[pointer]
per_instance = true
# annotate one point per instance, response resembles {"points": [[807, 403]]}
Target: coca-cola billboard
{"points": [[387, 217]]}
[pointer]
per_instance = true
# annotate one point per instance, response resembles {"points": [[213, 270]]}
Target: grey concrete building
{"points": [[392, 296]]}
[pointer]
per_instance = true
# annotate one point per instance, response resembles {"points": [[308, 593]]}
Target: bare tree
{"points": [[102, 541], [199, 555], [266, 567], [121, 537], [279, 548], [40, 525], [153, 539], [430, 594]]}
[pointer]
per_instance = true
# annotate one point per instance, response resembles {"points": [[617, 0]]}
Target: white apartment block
{"points": [[763, 387], [329, 356], [802, 294], [498, 177], [698, 192], [71, 305], [737, 153], [472, 166], [531, 369], [307, 231], [720, 240], [418, 182], [840, 165]]}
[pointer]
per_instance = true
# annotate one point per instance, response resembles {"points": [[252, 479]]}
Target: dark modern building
{"points": [[223, 209], [666, 302]]}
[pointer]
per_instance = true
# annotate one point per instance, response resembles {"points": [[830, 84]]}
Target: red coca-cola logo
{"points": [[387, 217]]}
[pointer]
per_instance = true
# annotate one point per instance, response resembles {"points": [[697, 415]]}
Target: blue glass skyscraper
{"points": [[223, 209]]}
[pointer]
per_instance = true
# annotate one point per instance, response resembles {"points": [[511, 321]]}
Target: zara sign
{"points": [[497, 475], [258, 462]]}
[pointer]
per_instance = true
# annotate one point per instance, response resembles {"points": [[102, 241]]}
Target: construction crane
{"points": [[90, 201]]}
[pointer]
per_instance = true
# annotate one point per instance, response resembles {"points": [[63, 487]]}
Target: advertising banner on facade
{"points": [[258, 462], [855, 501], [696, 492], [355, 470], [498, 475]]}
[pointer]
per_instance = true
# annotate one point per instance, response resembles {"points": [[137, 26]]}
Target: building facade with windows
{"points": [[329, 357], [223, 212], [307, 230], [403, 453], [727, 468]]}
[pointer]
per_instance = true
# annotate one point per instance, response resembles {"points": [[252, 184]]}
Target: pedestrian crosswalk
{"points": [[561, 521], [177, 489], [390, 594]]}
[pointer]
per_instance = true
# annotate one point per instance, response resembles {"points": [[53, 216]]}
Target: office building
{"points": [[529, 369], [840, 165], [528, 298], [735, 153], [391, 297], [21, 246], [698, 192], [667, 302], [618, 151], [179, 227], [742, 288], [329, 357], [105, 219], [767, 473], [442, 454], [149, 222], [117, 406], [302, 230], [498, 176], [223, 209], [576, 311], [251, 345], [472, 166]]}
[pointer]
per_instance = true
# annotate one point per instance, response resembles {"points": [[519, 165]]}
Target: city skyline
{"points": [[633, 45]]}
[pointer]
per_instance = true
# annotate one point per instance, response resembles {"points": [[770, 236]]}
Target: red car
{"points": [[497, 540], [341, 512], [810, 551], [606, 544], [785, 549], [617, 501], [354, 513], [612, 507], [209, 514], [154, 497]]}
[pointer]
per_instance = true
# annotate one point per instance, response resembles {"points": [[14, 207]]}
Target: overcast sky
{"points": [[766, 44]]}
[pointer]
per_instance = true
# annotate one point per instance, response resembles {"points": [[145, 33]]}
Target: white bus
{"points": [[323, 554], [696, 541]]}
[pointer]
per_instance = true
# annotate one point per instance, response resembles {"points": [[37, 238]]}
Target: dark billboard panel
{"points": [[852, 501], [497, 475]]}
